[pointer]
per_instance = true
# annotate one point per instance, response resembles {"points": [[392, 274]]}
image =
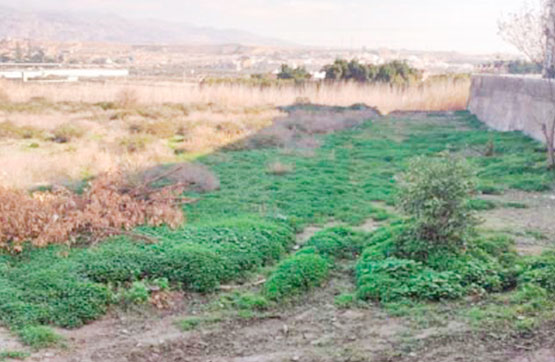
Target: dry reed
{"points": [[440, 95]]}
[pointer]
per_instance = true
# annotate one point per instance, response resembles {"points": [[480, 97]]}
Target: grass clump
{"points": [[193, 322], [66, 132], [38, 337], [345, 300], [296, 275], [10, 130], [11, 355]]}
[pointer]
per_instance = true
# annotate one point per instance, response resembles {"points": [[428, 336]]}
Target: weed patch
{"points": [[39, 337]]}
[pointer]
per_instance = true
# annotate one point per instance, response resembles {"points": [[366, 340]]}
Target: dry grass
{"points": [[441, 95], [133, 125]]}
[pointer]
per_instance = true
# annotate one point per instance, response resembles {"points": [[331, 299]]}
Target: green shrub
{"points": [[435, 193], [194, 267], [137, 294], [250, 301], [540, 270], [295, 275], [39, 337], [393, 279], [337, 242], [488, 265]]}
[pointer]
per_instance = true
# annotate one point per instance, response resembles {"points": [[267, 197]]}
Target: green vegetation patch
{"points": [[295, 275], [39, 337], [250, 222]]}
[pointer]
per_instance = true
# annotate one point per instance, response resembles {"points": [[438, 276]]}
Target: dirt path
{"points": [[312, 330]]}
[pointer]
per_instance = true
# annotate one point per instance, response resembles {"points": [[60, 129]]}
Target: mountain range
{"points": [[86, 27]]}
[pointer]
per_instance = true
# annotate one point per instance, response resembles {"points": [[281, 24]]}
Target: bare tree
{"points": [[526, 30], [548, 128], [549, 64]]}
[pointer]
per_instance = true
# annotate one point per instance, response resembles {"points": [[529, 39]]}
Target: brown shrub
{"points": [[107, 207], [299, 126], [193, 176]]}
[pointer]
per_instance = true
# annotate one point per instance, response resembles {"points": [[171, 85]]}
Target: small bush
{"points": [[295, 275], [250, 301], [39, 337], [337, 242], [137, 294], [435, 193]]}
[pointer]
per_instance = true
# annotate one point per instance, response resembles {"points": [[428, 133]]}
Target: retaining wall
{"points": [[510, 103]]}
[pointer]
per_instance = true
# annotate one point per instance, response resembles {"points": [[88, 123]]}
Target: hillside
{"points": [[67, 26]]}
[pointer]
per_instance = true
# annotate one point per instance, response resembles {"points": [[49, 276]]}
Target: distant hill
{"points": [[62, 26]]}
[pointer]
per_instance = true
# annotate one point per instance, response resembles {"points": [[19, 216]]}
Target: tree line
{"points": [[395, 72]]}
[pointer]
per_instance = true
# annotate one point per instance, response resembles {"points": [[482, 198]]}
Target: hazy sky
{"points": [[463, 25]]}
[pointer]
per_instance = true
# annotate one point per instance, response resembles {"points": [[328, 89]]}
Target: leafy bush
{"points": [[337, 242], [488, 265], [540, 270], [137, 294], [298, 74], [295, 275], [435, 193], [392, 279]]}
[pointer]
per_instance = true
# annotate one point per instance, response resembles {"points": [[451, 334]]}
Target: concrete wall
{"points": [[510, 103]]}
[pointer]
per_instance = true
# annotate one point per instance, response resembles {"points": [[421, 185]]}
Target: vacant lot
{"points": [[315, 190]]}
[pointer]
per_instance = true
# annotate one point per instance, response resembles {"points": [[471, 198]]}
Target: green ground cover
{"points": [[252, 220]]}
